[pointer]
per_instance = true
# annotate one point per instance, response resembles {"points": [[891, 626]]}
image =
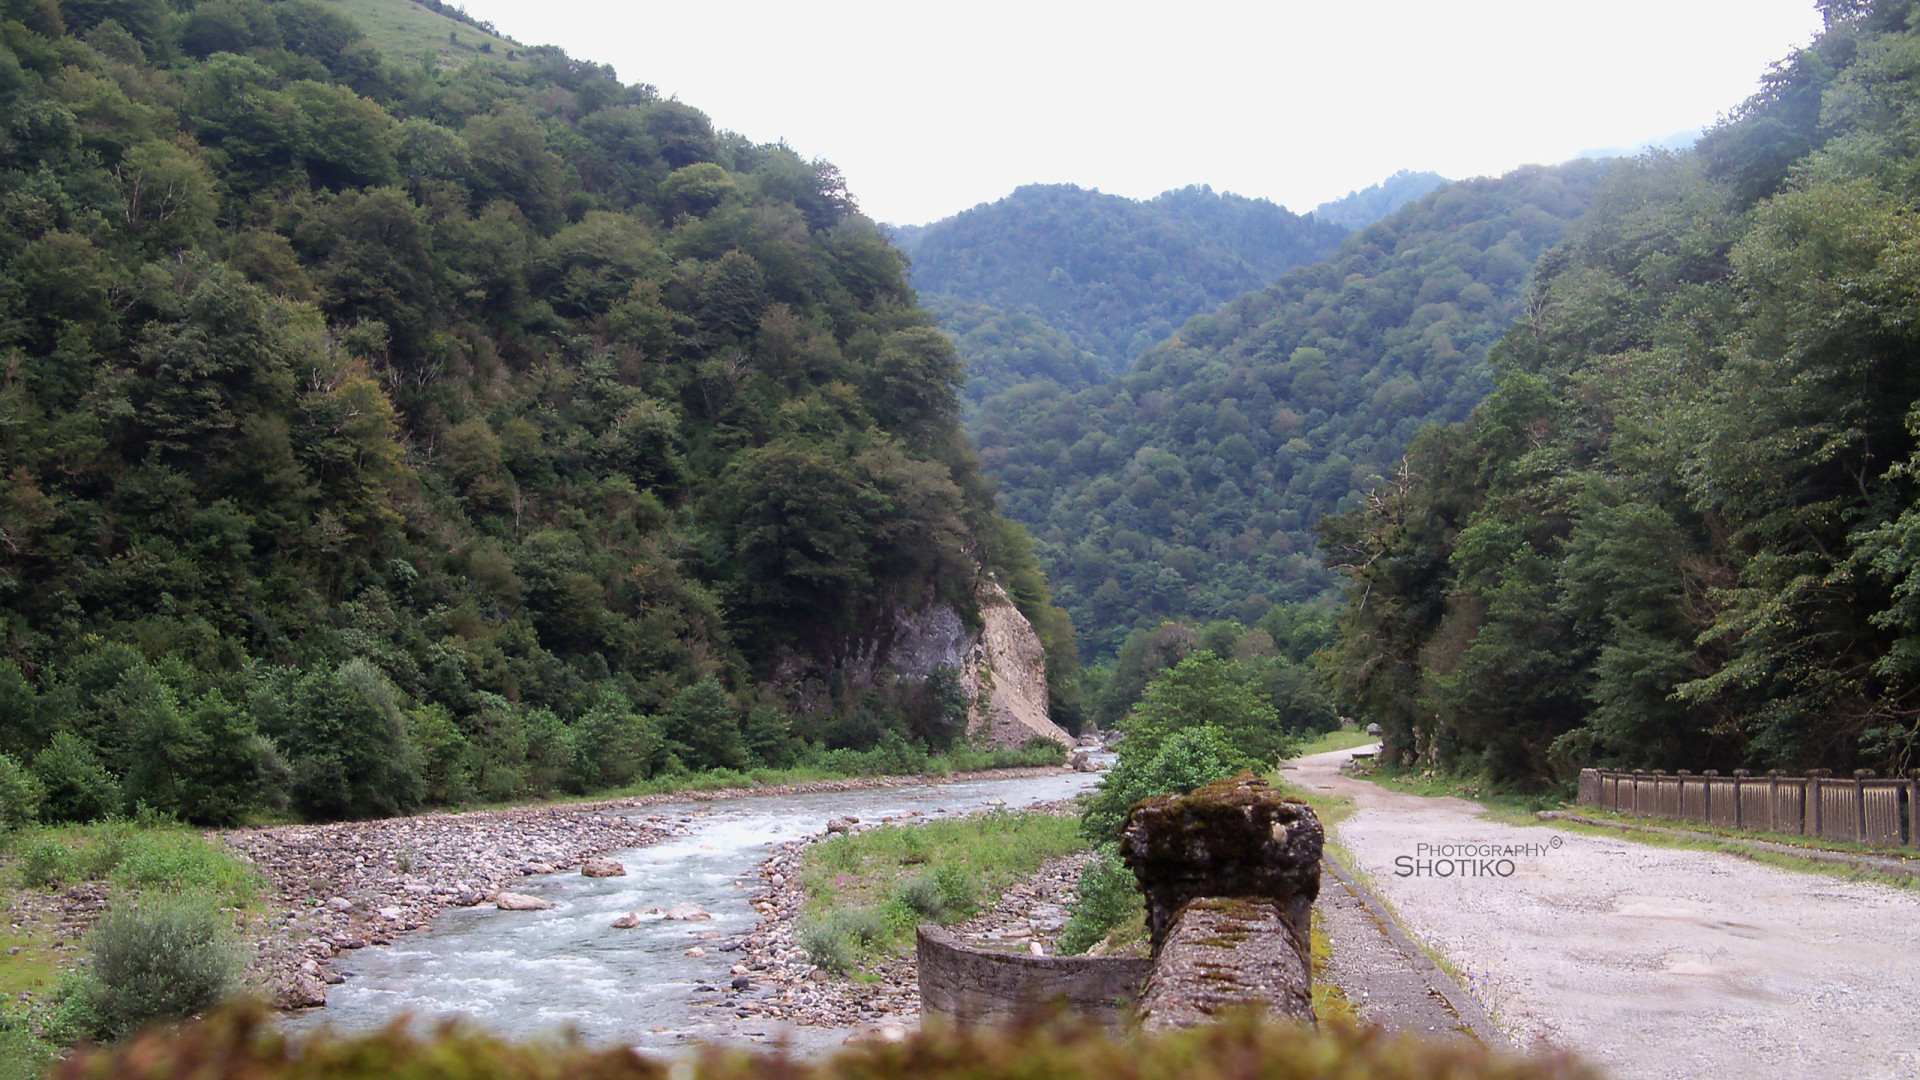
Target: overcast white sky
{"points": [[931, 108]]}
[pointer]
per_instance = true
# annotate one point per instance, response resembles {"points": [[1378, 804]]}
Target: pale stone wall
{"points": [[981, 986]]}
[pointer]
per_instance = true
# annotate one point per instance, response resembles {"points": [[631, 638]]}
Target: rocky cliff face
{"points": [[1005, 669], [1002, 665]]}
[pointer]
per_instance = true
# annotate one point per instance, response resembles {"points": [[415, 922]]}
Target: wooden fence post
{"points": [[1739, 797]]}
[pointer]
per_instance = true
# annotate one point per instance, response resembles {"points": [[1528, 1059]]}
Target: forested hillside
{"points": [[1115, 275], [1684, 532], [375, 433], [1189, 488]]}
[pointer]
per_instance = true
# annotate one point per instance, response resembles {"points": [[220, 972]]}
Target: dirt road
{"points": [[1651, 962]]}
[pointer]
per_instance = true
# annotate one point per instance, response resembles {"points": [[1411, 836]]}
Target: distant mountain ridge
{"points": [[1115, 275], [1358, 209]]}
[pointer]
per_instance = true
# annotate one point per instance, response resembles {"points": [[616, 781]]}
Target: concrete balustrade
{"points": [[1864, 808]]}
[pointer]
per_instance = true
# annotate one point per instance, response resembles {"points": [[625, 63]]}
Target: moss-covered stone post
{"points": [[1230, 874]]}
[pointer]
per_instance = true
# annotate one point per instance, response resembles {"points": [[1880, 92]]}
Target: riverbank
{"points": [[776, 981]]}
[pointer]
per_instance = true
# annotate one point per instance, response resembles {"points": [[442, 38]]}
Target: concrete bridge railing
{"points": [[1864, 808]]}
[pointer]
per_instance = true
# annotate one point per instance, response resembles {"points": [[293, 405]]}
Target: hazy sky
{"points": [[931, 108]]}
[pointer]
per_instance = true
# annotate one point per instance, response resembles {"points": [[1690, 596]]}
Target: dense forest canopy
{"points": [[1684, 531], [378, 432], [1189, 488], [1115, 275]]}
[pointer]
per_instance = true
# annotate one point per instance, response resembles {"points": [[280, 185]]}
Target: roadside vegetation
{"points": [[1348, 737], [1508, 796]]}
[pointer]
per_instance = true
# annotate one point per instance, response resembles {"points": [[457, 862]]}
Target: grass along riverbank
{"points": [[866, 891]]}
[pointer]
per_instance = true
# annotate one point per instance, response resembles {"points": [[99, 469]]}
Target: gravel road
{"points": [[1652, 962]]}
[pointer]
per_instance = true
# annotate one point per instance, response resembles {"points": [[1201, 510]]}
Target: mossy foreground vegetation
{"points": [[238, 1046]]}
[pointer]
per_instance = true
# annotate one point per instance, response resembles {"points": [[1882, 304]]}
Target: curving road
{"points": [[1652, 962]]}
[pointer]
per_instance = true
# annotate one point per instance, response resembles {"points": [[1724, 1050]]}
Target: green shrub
{"points": [[44, 861], [77, 1015], [78, 787], [20, 795], [943, 894], [167, 958], [1108, 896], [1186, 760], [835, 940]]}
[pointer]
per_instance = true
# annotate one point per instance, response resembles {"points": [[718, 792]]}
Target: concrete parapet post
{"points": [[1913, 808], [1230, 874]]}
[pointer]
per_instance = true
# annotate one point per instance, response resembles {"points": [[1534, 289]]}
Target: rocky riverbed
{"points": [[342, 887]]}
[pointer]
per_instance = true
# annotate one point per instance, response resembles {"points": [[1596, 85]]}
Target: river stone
{"points": [[628, 921], [696, 952], [340, 903], [513, 901], [602, 868], [842, 824], [300, 991], [687, 911], [391, 913]]}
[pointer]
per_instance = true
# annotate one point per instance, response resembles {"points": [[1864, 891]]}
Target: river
{"points": [[522, 973]]}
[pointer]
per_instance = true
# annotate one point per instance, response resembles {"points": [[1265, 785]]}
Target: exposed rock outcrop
{"points": [[1006, 672], [1001, 666]]}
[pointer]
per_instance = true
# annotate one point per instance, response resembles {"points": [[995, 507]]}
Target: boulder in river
{"points": [[687, 911], [628, 921], [842, 824], [602, 868], [299, 990], [513, 901]]}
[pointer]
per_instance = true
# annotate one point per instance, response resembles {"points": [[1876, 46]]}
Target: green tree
{"points": [[700, 727], [1206, 691]]}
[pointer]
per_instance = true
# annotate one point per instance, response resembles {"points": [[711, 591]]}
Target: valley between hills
{"points": [[422, 449]]}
